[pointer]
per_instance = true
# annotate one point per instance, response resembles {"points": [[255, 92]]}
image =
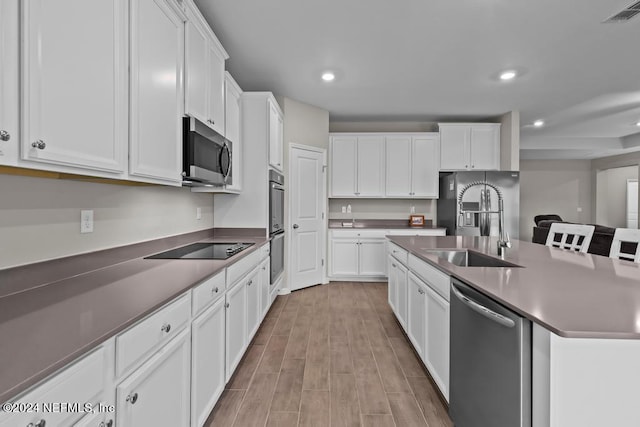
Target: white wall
{"points": [[40, 217], [554, 187], [611, 195]]}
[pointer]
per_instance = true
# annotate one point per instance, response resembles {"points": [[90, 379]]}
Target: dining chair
{"points": [[574, 237], [626, 244]]}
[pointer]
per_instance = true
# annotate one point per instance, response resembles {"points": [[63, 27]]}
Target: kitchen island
{"points": [[585, 311]]}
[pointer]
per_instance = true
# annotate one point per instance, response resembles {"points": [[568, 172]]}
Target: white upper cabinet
{"points": [[232, 121], [469, 146], [74, 84], [276, 135], [357, 165], [412, 165], [204, 71], [157, 52], [9, 88]]}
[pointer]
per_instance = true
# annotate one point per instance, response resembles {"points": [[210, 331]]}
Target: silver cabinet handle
{"points": [[226, 305], [4, 135], [132, 398], [109, 423], [420, 291], [296, 226], [250, 283], [166, 327], [215, 290], [40, 145], [482, 310], [393, 265]]}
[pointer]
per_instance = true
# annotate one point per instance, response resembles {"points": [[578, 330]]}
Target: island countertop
{"points": [[574, 295]]}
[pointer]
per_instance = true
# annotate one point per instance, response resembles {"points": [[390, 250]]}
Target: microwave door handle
{"points": [[226, 173]]}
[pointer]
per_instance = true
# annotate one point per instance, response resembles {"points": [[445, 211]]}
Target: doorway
{"points": [[307, 207]]}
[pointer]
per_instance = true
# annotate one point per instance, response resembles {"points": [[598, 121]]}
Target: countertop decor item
{"points": [[416, 220]]}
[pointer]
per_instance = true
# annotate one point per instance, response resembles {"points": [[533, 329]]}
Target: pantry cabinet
{"points": [[469, 146], [74, 82], [204, 71], [157, 57], [412, 165], [357, 165], [158, 393]]}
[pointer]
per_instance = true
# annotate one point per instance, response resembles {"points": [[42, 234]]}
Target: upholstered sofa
{"points": [[600, 242]]}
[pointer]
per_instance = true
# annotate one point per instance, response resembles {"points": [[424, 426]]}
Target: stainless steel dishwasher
{"points": [[490, 376]]}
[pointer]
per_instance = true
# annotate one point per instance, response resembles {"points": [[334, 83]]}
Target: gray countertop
{"points": [[44, 326], [572, 294]]}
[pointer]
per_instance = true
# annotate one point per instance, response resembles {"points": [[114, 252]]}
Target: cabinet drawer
{"points": [[357, 234], [265, 251], [398, 253], [207, 292], [436, 279], [82, 382], [242, 267], [139, 341]]}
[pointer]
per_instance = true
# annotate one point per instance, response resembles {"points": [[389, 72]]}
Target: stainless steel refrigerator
{"points": [[479, 197]]}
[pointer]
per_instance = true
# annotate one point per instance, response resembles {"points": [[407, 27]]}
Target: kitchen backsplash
{"points": [[382, 208], [40, 217]]}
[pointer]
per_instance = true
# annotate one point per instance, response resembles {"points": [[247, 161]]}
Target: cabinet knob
{"points": [[215, 290], [473, 166], [226, 305], [4, 135], [250, 283], [466, 166], [40, 145], [393, 265], [296, 226], [264, 267], [109, 423], [420, 291], [40, 423], [132, 398], [166, 327]]}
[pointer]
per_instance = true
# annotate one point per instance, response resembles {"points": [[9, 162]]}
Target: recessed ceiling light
{"points": [[538, 123], [328, 76], [508, 75]]}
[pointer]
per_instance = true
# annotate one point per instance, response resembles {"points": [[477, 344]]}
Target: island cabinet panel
{"points": [[157, 105], [392, 285], [158, 393], [402, 284], [436, 349], [74, 84], [416, 313], [207, 361]]}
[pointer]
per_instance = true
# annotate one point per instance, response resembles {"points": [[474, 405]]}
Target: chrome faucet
{"points": [[503, 236]]}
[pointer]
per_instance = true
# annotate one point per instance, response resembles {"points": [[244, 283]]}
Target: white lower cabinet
{"points": [[436, 349], [416, 313], [265, 287], [97, 419], [419, 297], [236, 330], [207, 361], [358, 254], [158, 393], [253, 302], [371, 257]]}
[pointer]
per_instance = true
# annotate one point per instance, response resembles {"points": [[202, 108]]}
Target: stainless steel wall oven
{"points": [[276, 223]]}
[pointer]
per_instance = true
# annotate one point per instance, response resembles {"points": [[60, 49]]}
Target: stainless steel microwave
{"points": [[206, 155]]}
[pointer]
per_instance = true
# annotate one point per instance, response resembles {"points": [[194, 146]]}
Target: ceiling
{"points": [[430, 60]]}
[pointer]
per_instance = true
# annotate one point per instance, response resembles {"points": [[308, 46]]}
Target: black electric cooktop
{"points": [[203, 251]]}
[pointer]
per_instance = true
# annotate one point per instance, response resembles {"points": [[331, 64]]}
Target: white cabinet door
{"points": [[236, 327], [276, 135], [196, 69], [216, 88], [207, 362], [485, 147], [74, 83], [265, 287], [157, 393], [401, 285], [232, 117], [343, 166], [436, 354], [157, 56], [9, 87], [253, 302], [392, 285], [454, 146], [398, 166], [344, 257], [370, 181], [416, 315], [425, 167], [371, 257]]}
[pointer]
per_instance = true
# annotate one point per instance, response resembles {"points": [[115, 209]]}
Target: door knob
{"points": [[39, 144], [296, 226]]}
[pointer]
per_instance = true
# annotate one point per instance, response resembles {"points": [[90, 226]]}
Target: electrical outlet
{"points": [[198, 213], [86, 221], [413, 209], [579, 209], [344, 209], [348, 208]]}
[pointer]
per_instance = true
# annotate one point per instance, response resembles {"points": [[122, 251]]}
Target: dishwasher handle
{"points": [[482, 310]]}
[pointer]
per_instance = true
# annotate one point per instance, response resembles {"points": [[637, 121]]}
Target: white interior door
{"points": [[307, 203], [632, 203]]}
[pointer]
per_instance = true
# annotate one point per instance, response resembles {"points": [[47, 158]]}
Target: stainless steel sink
{"points": [[466, 258]]}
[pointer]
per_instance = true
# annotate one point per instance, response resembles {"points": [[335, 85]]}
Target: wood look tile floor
{"points": [[330, 355]]}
